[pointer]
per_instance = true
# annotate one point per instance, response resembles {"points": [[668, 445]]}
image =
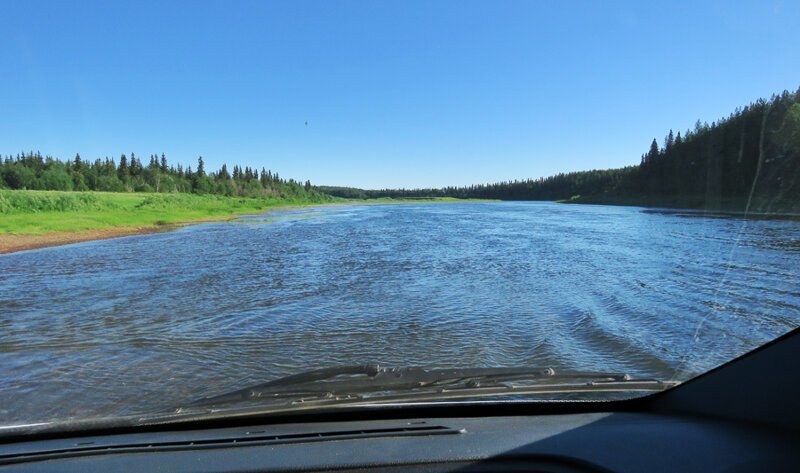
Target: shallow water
{"points": [[144, 323]]}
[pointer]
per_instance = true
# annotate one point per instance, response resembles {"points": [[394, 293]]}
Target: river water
{"points": [[143, 323]]}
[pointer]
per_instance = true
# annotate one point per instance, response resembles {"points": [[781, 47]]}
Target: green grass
{"points": [[39, 212], [24, 212]]}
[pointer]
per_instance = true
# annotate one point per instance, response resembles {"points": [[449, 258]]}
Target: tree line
{"points": [[31, 170], [753, 155]]}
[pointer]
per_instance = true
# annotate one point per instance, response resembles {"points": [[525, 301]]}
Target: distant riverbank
{"points": [[733, 206], [38, 219]]}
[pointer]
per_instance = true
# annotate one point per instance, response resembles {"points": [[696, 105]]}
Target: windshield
{"points": [[226, 207]]}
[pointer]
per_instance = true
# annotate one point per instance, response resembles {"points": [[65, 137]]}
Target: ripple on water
{"points": [[146, 322]]}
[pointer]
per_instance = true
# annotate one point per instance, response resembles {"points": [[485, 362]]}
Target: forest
{"points": [[748, 159], [32, 171]]}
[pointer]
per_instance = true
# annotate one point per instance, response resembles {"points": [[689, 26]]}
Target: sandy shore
{"points": [[12, 243]]}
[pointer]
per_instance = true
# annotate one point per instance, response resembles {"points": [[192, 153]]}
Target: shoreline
{"points": [[726, 208], [13, 243]]}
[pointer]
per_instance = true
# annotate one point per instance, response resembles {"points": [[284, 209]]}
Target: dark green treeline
{"points": [[753, 152], [751, 158], [130, 174]]}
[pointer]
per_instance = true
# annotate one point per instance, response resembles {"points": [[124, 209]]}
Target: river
{"points": [[145, 323]]}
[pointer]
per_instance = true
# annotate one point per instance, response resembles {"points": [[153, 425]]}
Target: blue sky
{"points": [[402, 94]]}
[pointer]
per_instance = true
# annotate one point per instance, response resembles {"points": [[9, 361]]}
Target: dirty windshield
{"points": [[240, 206]]}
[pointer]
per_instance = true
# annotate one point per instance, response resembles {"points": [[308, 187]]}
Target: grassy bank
{"points": [[41, 212], [36, 219]]}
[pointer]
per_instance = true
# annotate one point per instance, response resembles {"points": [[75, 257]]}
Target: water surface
{"points": [[144, 323]]}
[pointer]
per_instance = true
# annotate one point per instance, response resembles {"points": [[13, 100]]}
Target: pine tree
{"points": [[123, 170], [133, 165], [652, 155], [264, 178], [201, 169]]}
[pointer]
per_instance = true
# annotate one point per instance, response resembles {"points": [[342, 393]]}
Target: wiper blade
{"points": [[293, 384], [350, 383]]}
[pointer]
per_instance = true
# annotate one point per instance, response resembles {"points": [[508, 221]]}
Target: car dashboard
{"points": [[739, 417], [588, 442]]}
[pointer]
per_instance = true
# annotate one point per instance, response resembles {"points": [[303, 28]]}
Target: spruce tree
{"points": [[123, 171], [133, 165]]}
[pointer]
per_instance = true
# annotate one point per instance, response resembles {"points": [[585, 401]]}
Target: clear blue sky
{"points": [[396, 94]]}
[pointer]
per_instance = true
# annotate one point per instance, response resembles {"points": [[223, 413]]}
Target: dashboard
{"points": [[740, 417], [589, 442]]}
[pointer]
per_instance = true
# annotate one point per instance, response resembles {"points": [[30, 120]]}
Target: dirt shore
{"points": [[10, 243], [13, 243]]}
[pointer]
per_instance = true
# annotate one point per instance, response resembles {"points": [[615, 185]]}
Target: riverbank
{"points": [[36, 219], [10, 243], [39, 219], [731, 206], [418, 200]]}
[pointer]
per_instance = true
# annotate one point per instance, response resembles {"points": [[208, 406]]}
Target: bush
{"points": [[110, 184], [56, 179], [19, 177], [142, 187]]}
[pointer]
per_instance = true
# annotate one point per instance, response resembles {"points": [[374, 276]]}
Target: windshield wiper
{"points": [[382, 384]]}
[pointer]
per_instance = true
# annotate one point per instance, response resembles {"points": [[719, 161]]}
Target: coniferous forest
{"points": [[750, 159], [753, 156], [130, 174]]}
